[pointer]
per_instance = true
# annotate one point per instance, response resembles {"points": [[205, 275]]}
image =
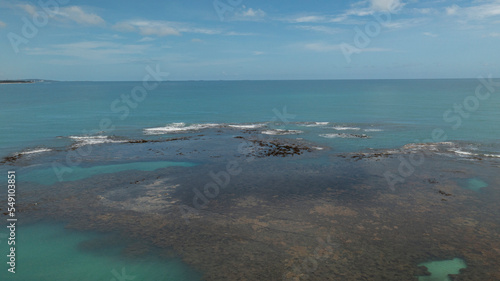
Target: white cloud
{"points": [[386, 5], [494, 34], [374, 6], [425, 11], [197, 40], [430, 34], [258, 53], [481, 11], [307, 19], [404, 23], [147, 28], [249, 15], [73, 13], [359, 9], [206, 31], [78, 15], [315, 19], [160, 28], [2, 24], [147, 39], [254, 13], [232, 33], [318, 28], [452, 10]]}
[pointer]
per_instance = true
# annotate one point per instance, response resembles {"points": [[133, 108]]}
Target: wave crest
{"points": [[177, 128], [93, 140], [277, 132], [344, 136]]}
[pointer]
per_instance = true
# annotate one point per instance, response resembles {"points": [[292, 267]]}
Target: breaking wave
{"points": [[281, 132], [177, 128], [93, 140]]}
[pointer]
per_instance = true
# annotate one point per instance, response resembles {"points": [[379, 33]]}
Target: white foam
{"points": [[179, 124], [421, 146], [92, 140], [461, 152], [341, 135], [492, 155], [446, 143], [36, 150], [177, 128], [373, 130], [318, 148], [330, 136], [448, 149], [465, 153], [316, 124], [249, 126], [282, 132], [88, 137], [340, 128]]}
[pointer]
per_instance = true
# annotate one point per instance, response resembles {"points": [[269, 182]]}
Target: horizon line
{"points": [[243, 80]]}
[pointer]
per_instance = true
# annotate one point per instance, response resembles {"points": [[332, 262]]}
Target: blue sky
{"points": [[242, 39]]}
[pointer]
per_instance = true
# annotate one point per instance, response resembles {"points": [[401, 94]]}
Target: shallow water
{"points": [[476, 184], [48, 176], [441, 269], [48, 251]]}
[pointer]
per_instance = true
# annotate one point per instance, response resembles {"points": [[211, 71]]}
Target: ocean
{"points": [[405, 111], [252, 180]]}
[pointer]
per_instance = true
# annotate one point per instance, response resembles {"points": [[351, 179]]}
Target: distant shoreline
{"points": [[17, 81]]}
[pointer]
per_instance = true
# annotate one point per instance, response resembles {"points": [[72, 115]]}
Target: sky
{"points": [[72, 40]]}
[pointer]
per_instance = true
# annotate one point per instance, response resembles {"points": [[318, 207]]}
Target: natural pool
{"points": [[48, 176], [475, 184], [441, 269], [50, 252]]}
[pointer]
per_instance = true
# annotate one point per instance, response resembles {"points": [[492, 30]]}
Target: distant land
{"points": [[24, 81]]}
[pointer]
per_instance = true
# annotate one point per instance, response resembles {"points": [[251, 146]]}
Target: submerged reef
{"points": [[291, 212]]}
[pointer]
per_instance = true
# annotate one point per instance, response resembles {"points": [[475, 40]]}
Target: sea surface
{"points": [[253, 180], [398, 112]]}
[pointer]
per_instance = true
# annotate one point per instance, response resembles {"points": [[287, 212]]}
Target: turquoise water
{"points": [[48, 252], [475, 184], [440, 269], [405, 111], [47, 176]]}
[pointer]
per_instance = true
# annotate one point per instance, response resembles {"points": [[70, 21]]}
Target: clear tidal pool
{"points": [[50, 252]]}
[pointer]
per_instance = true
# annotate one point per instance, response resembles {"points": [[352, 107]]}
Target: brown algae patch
{"points": [[331, 210]]}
